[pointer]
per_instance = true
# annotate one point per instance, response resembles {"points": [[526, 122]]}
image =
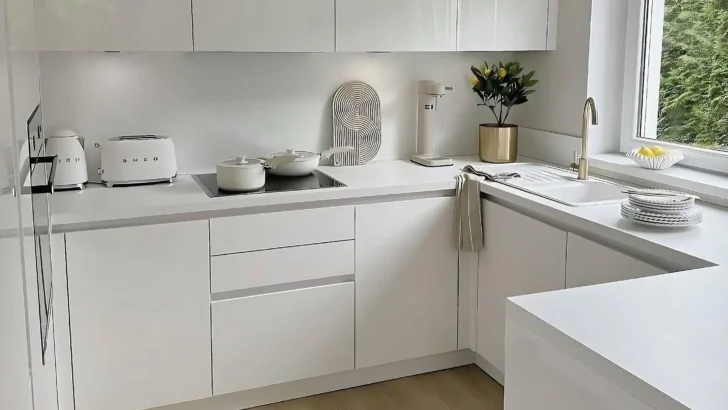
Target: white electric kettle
{"points": [[71, 169]]}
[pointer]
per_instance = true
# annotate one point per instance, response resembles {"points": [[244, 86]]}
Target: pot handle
{"points": [[336, 150], [279, 160]]}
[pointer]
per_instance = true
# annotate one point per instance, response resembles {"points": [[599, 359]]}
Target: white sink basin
{"points": [[581, 193], [560, 185]]}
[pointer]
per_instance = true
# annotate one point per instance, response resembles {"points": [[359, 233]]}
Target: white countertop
{"points": [[100, 207], [665, 339]]}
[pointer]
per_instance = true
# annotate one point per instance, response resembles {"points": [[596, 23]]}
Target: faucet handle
{"points": [[575, 165]]}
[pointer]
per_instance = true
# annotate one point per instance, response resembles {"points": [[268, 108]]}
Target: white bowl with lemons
{"points": [[655, 157]]}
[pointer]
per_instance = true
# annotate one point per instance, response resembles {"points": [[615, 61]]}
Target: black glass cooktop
{"points": [[273, 183]]}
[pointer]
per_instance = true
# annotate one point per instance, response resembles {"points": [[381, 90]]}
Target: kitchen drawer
{"points": [[280, 337], [280, 229], [277, 266]]}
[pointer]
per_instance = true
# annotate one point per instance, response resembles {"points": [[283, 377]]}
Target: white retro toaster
{"points": [[137, 159]]}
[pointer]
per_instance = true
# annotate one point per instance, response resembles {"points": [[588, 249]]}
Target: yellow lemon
{"points": [[502, 72], [659, 151], [646, 152], [474, 81]]}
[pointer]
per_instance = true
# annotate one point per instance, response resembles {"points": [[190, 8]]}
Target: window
{"points": [[676, 84]]}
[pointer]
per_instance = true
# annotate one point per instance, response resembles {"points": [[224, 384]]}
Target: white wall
{"points": [[588, 61], [562, 89], [218, 105], [608, 36]]}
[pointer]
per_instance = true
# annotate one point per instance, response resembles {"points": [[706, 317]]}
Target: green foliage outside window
{"points": [[694, 85]]}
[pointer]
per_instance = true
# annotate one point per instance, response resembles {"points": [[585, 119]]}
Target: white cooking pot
{"points": [[305, 163], [247, 174]]}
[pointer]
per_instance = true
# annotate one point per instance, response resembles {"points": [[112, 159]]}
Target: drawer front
{"points": [[277, 266], [280, 229], [280, 337]]}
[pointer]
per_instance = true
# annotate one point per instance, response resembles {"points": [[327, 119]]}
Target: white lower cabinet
{"points": [[521, 256], [139, 309], [589, 263], [406, 281], [280, 337]]}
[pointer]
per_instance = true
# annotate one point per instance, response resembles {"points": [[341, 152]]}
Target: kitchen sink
{"points": [[559, 185]]}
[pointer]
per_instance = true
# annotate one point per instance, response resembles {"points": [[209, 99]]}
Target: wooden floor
{"points": [[464, 388]]}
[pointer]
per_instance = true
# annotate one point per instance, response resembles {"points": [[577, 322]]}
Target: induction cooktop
{"points": [[317, 180]]}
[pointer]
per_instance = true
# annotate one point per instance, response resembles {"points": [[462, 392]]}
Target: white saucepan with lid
{"points": [[247, 174], [305, 164]]}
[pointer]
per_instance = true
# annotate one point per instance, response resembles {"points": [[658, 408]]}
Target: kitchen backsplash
{"points": [[219, 105]]}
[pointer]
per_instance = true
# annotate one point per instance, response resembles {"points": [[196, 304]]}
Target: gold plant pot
{"points": [[498, 144]]}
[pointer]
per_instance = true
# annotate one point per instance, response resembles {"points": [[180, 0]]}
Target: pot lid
{"points": [[302, 155], [242, 162], [64, 134]]}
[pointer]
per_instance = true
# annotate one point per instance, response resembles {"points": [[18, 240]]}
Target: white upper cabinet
{"points": [[507, 25], [264, 25], [297, 25], [406, 281], [589, 263], [476, 25], [115, 25], [396, 25]]}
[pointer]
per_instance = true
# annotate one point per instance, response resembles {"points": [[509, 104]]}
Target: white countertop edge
{"points": [[223, 207], [601, 365]]}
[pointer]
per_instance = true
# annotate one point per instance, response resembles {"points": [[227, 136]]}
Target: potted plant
{"points": [[501, 87]]}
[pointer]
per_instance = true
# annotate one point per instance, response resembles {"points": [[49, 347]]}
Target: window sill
{"points": [[712, 187]]}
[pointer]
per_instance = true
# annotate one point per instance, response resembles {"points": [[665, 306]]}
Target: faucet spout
{"points": [[590, 116]]}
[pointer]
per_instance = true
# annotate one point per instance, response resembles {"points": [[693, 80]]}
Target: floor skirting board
{"points": [[492, 371], [324, 384]]}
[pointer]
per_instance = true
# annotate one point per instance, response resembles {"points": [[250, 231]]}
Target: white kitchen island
{"points": [[653, 343]]}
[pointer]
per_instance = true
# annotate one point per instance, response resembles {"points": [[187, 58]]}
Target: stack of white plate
{"points": [[676, 209]]}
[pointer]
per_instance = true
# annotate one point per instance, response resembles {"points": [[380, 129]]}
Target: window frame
{"points": [[639, 107]]}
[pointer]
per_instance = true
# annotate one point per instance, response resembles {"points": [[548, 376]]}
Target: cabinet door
{"points": [[588, 263], [508, 25], [264, 25], [476, 25], [521, 256], [406, 281], [280, 337], [115, 25], [396, 25], [139, 307], [522, 24]]}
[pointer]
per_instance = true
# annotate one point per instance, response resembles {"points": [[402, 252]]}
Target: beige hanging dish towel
{"points": [[468, 214], [469, 235]]}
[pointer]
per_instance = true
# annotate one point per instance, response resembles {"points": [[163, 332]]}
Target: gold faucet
{"points": [[590, 117]]}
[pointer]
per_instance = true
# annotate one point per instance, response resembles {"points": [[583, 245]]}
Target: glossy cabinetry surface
{"points": [[139, 304], [406, 281]]}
